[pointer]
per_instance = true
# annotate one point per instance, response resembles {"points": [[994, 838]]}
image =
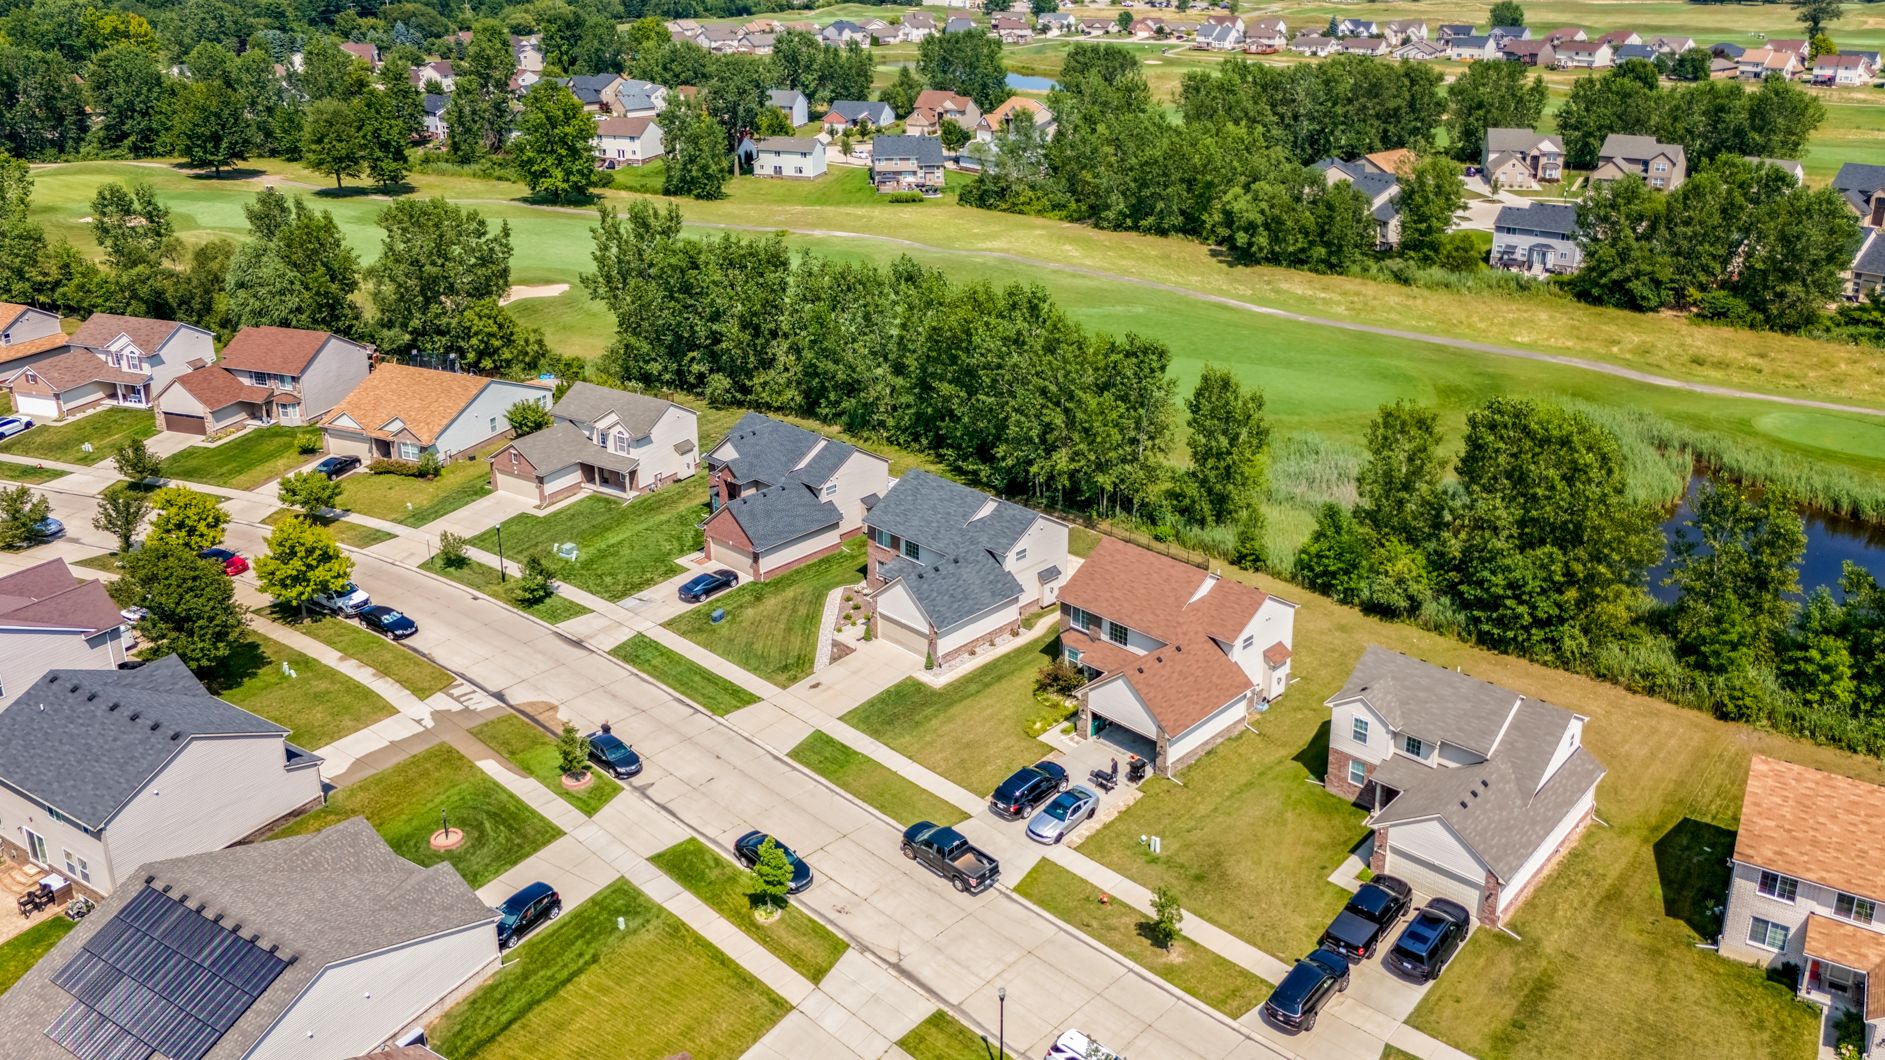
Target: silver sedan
{"points": [[1060, 817]]}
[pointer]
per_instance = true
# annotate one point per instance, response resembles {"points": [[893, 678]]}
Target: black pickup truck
{"points": [[945, 852], [1377, 907]]}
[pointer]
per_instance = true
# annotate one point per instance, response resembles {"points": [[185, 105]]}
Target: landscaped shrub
{"points": [[429, 465], [307, 443], [904, 196], [452, 550], [394, 467], [1060, 678], [536, 584]]}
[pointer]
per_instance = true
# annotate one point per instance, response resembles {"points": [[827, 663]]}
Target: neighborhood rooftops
{"points": [[1857, 181], [1639, 149], [277, 351], [1811, 824], [1549, 217], [778, 514], [587, 403], [423, 401], [560, 445], [788, 144], [618, 125], [769, 451], [218, 388], [923, 150], [1500, 141], [47, 596], [75, 368], [956, 589], [948, 517], [85, 741], [1431, 701], [102, 329]]}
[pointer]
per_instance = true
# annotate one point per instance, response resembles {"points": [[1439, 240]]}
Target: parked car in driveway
{"points": [[613, 753], [12, 425], [700, 587], [1314, 981], [1430, 940], [746, 848], [1370, 914], [535, 904], [231, 560], [1025, 791], [1066, 812], [47, 529], [335, 466], [947, 853], [349, 600], [387, 622]]}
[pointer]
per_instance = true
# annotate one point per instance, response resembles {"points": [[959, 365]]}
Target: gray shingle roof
{"points": [[1429, 701], [853, 110], [785, 98], [1870, 260], [924, 150], [955, 590], [770, 452], [587, 88], [560, 444], [795, 144], [1857, 181], [586, 403], [86, 741], [1521, 140], [1625, 147], [778, 514], [1555, 218], [948, 518]]}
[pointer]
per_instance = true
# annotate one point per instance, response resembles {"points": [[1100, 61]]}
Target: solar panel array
{"points": [[159, 978]]}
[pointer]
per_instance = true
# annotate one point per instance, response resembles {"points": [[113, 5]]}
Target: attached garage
{"points": [[914, 641], [515, 484], [343, 443], [181, 423], [1431, 879]]}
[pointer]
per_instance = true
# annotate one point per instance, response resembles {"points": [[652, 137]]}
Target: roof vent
{"points": [[114, 706], [1141, 669], [166, 886], [155, 725], [217, 919], [148, 880], [175, 736], [89, 696], [134, 715], [1462, 804]]}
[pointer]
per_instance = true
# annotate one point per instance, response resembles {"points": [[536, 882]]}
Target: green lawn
{"points": [[319, 704], [805, 945], [412, 671], [484, 579], [416, 501], [944, 1037], [107, 562], [973, 730], [403, 803], [902, 800], [584, 987], [771, 627], [683, 675], [623, 548], [14, 472], [19, 953], [533, 751], [1214, 980], [243, 462], [345, 531], [105, 430]]}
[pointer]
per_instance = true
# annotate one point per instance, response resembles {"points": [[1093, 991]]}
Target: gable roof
{"points": [[803, 145], [87, 741], [785, 98], [1526, 140], [1628, 148], [47, 596], [588, 403], [1857, 181], [938, 100], [147, 334], [778, 514], [278, 351], [772, 451], [426, 400], [853, 110], [588, 88], [560, 444], [1430, 702], [21, 350], [620, 125], [948, 517], [923, 150], [75, 368], [1555, 218], [1812, 824], [217, 388], [955, 590]]}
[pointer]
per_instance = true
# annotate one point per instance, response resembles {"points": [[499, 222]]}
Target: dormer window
{"points": [[911, 551], [1413, 746], [1117, 633]]}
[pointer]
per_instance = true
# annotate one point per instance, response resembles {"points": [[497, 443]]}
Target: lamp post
{"points": [[1001, 1031], [500, 552]]}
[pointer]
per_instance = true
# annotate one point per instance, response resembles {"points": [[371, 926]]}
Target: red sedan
{"points": [[233, 563]]}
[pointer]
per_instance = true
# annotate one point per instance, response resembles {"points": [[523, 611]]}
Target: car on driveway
{"points": [[1066, 812], [613, 753], [231, 561], [700, 587], [1025, 791], [387, 622], [1430, 940], [1379, 905], [746, 848], [12, 425], [47, 529], [535, 904], [1309, 986], [335, 466], [348, 600]]}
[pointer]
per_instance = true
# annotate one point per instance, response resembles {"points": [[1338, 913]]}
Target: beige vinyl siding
{"points": [[1046, 545], [976, 628], [1342, 729], [859, 477], [335, 371], [913, 639], [1119, 703], [733, 557], [1746, 902], [474, 423], [1224, 717], [27, 654], [1431, 840], [19, 811], [659, 460], [799, 548]]}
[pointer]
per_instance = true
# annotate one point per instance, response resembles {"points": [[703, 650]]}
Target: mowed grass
{"points": [[319, 704], [683, 676], [484, 579], [416, 501], [583, 987], [345, 531], [12, 472], [971, 730], [805, 945], [403, 803], [19, 953], [897, 798], [944, 1037], [104, 431], [244, 462], [408, 669], [534, 751], [623, 548], [771, 627], [1212, 979]]}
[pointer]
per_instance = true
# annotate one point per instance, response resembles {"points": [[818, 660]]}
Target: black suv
{"points": [[1308, 986], [1024, 792], [613, 754], [1377, 906], [524, 910], [1430, 940]]}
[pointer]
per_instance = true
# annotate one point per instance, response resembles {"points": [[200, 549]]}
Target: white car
{"points": [[1075, 1045], [350, 600], [12, 425]]}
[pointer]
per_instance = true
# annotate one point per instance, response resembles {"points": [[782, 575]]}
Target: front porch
{"points": [[1845, 974]]}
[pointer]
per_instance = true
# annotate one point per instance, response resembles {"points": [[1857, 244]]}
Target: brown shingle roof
{"points": [[148, 335], [278, 351], [1814, 825], [31, 346], [621, 126], [427, 400], [47, 596], [1861, 949], [218, 388], [78, 367]]}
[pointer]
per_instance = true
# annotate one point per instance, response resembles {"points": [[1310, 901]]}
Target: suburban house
{"points": [[1270, 33], [1664, 166], [1529, 52], [907, 163], [1786, 165], [945, 106], [1846, 69], [789, 157], [1861, 184], [1449, 31], [1219, 36], [1672, 46], [1012, 29], [1098, 27], [1382, 189], [265, 375], [842, 31], [1806, 888], [1376, 47], [102, 771], [1404, 31], [1756, 63], [366, 53], [1566, 33], [622, 141], [27, 334], [73, 381], [603, 440], [1474, 791], [1357, 27], [1501, 34], [1420, 51], [1582, 55], [1617, 38], [316, 946], [857, 113], [114, 359], [400, 412], [435, 106], [792, 103], [1314, 45], [50, 620], [1472, 49], [439, 71], [1053, 23], [952, 568], [1625, 52], [783, 496], [960, 24], [1521, 158], [1867, 273], [594, 91], [917, 25], [1539, 238], [1014, 107], [1176, 656]]}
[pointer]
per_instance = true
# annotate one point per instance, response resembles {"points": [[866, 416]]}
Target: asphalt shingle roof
{"points": [[586, 403], [949, 518], [771, 452], [561, 444], [47, 596], [955, 590], [1430, 701], [102, 329], [782, 513], [1555, 218], [924, 150], [1857, 181]]}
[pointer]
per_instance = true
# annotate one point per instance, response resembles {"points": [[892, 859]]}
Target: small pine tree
{"points": [[772, 875], [572, 751], [1166, 917], [452, 550], [536, 584], [430, 466]]}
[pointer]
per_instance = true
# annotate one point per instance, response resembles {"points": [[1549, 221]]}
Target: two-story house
{"points": [[1266, 34], [1806, 887], [1539, 238], [783, 496], [792, 103], [27, 334], [951, 568], [601, 440], [1474, 791], [1011, 110], [111, 359], [907, 163], [1582, 55], [104, 770], [400, 412], [934, 106], [1521, 158], [1383, 191], [1663, 166], [789, 157], [265, 375], [1177, 657], [624, 141], [50, 620], [1846, 69]]}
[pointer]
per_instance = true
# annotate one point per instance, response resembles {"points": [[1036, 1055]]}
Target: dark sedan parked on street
{"points": [[387, 621], [1024, 792], [1314, 981], [613, 754], [746, 848], [1430, 940], [699, 588], [335, 466]]}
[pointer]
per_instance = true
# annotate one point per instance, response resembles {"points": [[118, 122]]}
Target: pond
{"points": [[1027, 83], [1831, 541]]}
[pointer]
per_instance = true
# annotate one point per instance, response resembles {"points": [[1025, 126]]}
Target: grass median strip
{"points": [[1212, 979], [856, 772], [683, 675], [345, 531], [318, 703], [407, 669], [771, 627], [15, 472], [413, 501], [19, 953], [616, 976], [944, 1037], [533, 751], [805, 945], [475, 575]]}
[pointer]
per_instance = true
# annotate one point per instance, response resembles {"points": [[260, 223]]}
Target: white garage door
{"points": [[1430, 879], [727, 555], [517, 484], [341, 443], [45, 408], [913, 641]]}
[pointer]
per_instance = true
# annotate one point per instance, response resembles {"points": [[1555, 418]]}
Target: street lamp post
{"points": [[1001, 1031], [500, 552]]}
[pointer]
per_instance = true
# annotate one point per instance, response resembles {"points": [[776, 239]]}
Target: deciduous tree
{"points": [[1227, 438], [310, 491], [302, 562], [21, 512], [331, 139], [191, 603], [527, 417], [121, 513], [192, 520], [552, 149]]}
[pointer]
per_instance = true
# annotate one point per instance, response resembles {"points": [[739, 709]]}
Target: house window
{"points": [[1359, 730], [1413, 746], [1077, 618], [131, 363], [1117, 633], [57, 816], [911, 550], [75, 866], [882, 538], [1357, 772], [408, 451], [621, 442], [494, 425], [1768, 935], [1774, 885], [1852, 907]]}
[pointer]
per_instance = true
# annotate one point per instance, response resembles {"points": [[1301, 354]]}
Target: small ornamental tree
{"points": [[310, 491], [536, 584], [527, 417], [120, 513], [1166, 917], [772, 876], [572, 752], [136, 462], [188, 518], [303, 561], [452, 549]]}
